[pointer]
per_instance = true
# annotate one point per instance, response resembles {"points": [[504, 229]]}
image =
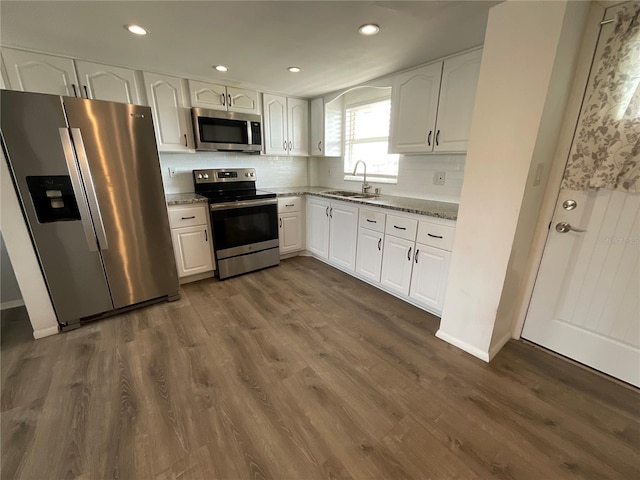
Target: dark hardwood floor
{"points": [[299, 372]]}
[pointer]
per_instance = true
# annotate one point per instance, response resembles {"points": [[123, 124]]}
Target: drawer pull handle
{"points": [[290, 205], [409, 254], [434, 236], [399, 228], [416, 257], [188, 218], [372, 221], [206, 236]]}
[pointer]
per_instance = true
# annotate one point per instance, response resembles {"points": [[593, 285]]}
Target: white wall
{"points": [[521, 93], [10, 295], [415, 176], [271, 171]]}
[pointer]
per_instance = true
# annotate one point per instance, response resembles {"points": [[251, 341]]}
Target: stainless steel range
{"points": [[244, 220]]}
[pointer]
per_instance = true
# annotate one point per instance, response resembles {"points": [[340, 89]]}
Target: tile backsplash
{"points": [[271, 171], [415, 175]]}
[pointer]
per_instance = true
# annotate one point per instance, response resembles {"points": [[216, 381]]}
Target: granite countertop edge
{"points": [[431, 208], [184, 198]]}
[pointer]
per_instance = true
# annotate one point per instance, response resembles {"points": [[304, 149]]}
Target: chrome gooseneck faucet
{"points": [[365, 186]]}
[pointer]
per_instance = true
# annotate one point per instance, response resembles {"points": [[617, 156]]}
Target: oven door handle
{"points": [[249, 203]]}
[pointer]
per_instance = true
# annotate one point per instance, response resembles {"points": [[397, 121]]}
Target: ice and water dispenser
{"points": [[53, 198]]}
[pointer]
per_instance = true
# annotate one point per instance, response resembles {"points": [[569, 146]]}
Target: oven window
{"points": [[244, 226], [222, 130]]}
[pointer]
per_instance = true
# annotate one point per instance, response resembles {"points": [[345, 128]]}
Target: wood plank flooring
{"points": [[299, 372]]}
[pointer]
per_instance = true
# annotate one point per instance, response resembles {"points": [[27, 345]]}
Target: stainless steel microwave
{"points": [[226, 131]]}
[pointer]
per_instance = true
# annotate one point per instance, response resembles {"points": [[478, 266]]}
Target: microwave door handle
{"points": [[76, 183], [90, 188]]}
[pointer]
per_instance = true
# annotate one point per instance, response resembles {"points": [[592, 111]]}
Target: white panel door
{"points": [[242, 101], [414, 103], [457, 99], [290, 232], [397, 262], [318, 227], [208, 95], [369, 256], [104, 82], [192, 250], [171, 118], [343, 235], [35, 72], [298, 126], [275, 125], [317, 126], [429, 277]]}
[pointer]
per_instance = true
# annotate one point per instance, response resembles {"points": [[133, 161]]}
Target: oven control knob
{"points": [[205, 176], [246, 174], [252, 174], [199, 176]]}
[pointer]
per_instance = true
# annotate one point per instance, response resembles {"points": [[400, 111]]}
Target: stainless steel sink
{"points": [[347, 194]]}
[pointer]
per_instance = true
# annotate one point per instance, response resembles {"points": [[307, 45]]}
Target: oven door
{"points": [[244, 227]]}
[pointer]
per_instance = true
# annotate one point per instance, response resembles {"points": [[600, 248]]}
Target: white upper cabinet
{"points": [[457, 98], [286, 125], [432, 106], [414, 105], [35, 72], [326, 127], [104, 82], [220, 97], [171, 118]]}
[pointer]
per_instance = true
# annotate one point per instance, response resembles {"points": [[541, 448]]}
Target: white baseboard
{"points": [[493, 351], [45, 332], [196, 277], [11, 304], [475, 351]]}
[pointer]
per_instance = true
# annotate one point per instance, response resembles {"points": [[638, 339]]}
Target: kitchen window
{"points": [[367, 139]]}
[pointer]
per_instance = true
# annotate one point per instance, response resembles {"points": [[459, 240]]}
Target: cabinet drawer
{"points": [[289, 204], [372, 220], [180, 216], [439, 236], [401, 227]]}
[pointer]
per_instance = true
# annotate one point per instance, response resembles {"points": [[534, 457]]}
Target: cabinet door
{"points": [[414, 103], [34, 72], [317, 127], [290, 232], [298, 126], [429, 278], [369, 257], [318, 227], [243, 101], [343, 235], [207, 95], [397, 263], [171, 119], [457, 98], [104, 82], [275, 125], [192, 250]]}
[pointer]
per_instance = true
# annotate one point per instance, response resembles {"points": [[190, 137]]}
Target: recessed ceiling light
{"points": [[136, 29], [369, 29], [294, 69], [221, 68]]}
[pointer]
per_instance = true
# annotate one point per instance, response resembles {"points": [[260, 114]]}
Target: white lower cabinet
{"points": [[369, 256], [191, 236], [290, 223], [429, 277], [397, 263], [332, 232]]}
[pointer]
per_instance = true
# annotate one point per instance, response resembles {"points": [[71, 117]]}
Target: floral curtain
{"points": [[606, 149]]}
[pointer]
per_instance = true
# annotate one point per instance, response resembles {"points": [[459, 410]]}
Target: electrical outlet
{"points": [[173, 171], [439, 178]]}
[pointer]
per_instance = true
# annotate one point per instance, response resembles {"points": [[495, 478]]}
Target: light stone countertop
{"points": [[185, 198], [431, 208]]}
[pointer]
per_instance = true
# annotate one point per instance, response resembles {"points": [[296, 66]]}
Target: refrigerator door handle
{"points": [[76, 183], [90, 188]]}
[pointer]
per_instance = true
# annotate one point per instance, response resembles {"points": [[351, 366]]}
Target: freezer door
{"points": [[48, 184], [118, 159]]}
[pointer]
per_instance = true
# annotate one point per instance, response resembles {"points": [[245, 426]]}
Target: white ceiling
{"points": [[257, 40]]}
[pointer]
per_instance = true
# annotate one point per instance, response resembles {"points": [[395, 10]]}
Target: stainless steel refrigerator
{"points": [[88, 177]]}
